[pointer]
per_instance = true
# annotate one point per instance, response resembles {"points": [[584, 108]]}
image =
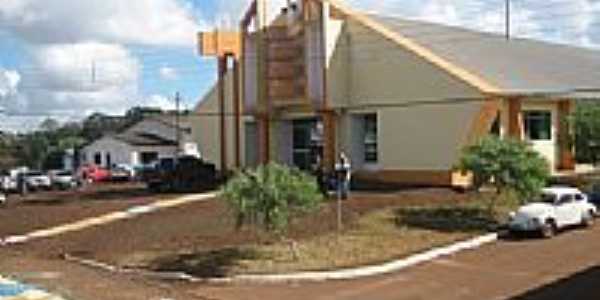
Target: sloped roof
{"points": [[144, 139], [516, 66]]}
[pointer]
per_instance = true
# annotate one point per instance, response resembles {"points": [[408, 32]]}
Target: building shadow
{"points": [[205, 264], [584, 285], [446, 219]]}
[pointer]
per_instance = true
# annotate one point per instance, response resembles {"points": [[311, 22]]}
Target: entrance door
{"points": [[308, 142]]}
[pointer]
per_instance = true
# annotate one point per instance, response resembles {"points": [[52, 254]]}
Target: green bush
{"points": [[509, 165], [271, 196]]}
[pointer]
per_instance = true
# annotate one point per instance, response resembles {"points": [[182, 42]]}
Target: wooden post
{"points": [[261, 82], [515, 119], [236, 111], [222, 124], [566, 157]]}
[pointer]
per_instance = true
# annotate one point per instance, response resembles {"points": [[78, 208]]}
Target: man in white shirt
{"points": [[343, 170]]}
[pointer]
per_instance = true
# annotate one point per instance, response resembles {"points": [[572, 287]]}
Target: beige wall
{"points": [[423, 137], [205, 126]]}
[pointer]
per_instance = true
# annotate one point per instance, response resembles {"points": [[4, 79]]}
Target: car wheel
{"points": [[587, 220], [549, 229]]}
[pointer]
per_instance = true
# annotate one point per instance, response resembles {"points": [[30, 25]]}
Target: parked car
{"points": [[120, 174], [62, 179], [557, 208], [36, 180], [2, 198], [8, 184], [94, 173], [183, 174]]}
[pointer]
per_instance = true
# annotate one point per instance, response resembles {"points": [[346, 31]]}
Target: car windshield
{"points": [[34, 174], [548, 198], [65, 173]]}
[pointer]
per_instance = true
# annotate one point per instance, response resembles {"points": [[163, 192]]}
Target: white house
{"points": [[140, 144]]}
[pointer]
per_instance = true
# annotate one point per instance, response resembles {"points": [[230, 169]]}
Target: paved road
{"points": [[563, 268], [567, 267]]}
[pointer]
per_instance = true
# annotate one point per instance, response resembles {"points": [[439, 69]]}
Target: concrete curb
{"points": [[104, 219], [342, 274]]}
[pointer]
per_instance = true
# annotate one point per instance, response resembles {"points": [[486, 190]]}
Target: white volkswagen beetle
{"points": [[557, 208]]}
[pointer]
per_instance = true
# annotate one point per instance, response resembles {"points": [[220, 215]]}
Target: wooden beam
{"points": [[565, 149], [249, 15], [219, 43], [515, 118], [236, 112], [222, 123]]}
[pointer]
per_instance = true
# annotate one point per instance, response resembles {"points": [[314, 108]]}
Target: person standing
{"points": [[343, 170]]}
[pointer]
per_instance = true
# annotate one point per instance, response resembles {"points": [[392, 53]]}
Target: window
{"points": [[496, 130], [98, 158], [565, 199], [579, 197], [148, 157], [538, 125], [370, 138]]}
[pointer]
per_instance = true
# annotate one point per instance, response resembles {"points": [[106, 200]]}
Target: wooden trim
{"points": [[483, 121], [421, 51]]}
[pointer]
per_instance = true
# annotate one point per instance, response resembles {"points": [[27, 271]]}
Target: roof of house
{"points": [[515, 66], [144, 139]]}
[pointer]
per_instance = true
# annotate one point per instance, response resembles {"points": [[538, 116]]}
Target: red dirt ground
{"points": [[206, 226], [47, 209]]}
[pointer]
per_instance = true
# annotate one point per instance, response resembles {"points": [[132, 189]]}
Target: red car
{"points": [[94, 173]]}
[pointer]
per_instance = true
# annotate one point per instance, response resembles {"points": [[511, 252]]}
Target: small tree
{"points": [[509, 165], [271, 196], [585, 122]]}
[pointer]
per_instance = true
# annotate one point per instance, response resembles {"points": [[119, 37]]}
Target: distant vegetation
{"points": [[45, 147]]}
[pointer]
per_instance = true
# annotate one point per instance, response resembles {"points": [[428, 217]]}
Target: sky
{"points": [[69, 58]]}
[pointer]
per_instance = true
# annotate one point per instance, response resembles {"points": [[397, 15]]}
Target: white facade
{"points": [[118, 149]]}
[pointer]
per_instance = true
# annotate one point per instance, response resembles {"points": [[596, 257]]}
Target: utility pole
{"points": [[177, 127], [507, 13]]}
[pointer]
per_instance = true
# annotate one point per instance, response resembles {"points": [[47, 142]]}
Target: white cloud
{"points": [[144, 22], [79, 78], [9, 81], [160, 101], [168, 73]]}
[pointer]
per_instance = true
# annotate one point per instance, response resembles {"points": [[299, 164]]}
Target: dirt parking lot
{"points": [[47, 209]]}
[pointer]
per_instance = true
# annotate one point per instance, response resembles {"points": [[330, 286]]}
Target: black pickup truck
{"points": [[183, 174]]}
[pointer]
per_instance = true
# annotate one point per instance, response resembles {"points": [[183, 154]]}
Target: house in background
{"points": [[401, 97], [141, 144]]}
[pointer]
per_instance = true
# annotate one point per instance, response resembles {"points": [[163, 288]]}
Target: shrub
{"points": [[271, 196], [509, 165]]}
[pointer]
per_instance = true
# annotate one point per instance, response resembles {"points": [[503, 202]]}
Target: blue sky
{"points": [[69, 58]]}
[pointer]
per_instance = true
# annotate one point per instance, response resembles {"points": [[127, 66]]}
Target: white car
{"points": [[36, 180], [62, 179], [2, 198], [558, 207]]}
